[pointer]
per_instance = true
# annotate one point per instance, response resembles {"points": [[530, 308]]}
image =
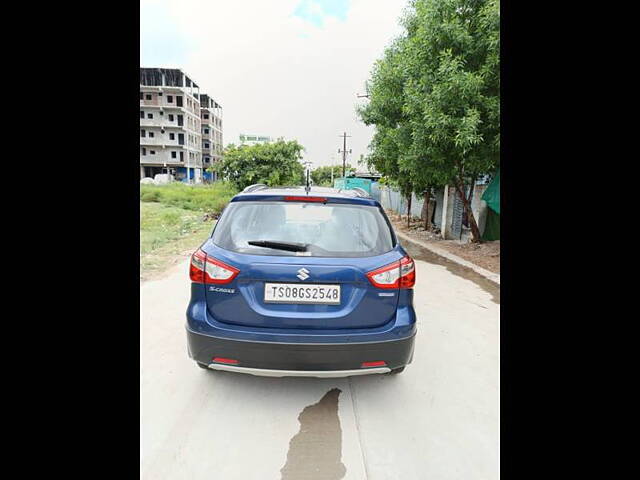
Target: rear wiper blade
{"points": [[290, 246]]}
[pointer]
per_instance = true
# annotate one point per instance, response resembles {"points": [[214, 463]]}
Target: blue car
{"points": [[302, 282]]}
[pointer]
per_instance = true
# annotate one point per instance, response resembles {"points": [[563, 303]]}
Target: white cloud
{"points": [[279, 75]]}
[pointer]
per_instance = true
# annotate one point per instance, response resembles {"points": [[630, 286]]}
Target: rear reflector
{"points": [[306, 199], [379, 363], [229, 361]]}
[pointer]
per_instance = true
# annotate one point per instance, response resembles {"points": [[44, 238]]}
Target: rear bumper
{"points": [[263, 372], [299, 359]]}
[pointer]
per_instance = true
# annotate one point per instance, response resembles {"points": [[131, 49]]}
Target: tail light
{"points": [[400, 274], [206, 269], [407, 273]]}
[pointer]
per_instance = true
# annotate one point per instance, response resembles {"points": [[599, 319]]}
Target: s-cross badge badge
{"points": [[303, 274]]}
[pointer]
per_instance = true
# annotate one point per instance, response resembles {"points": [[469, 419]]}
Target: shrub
{"points": [[150, 196]]}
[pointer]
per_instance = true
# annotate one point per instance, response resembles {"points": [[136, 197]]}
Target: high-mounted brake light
{"points": [[206, 269], [306, 199], [400, 274]]}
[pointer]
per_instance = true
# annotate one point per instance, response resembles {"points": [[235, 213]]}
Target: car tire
{"points": [[203, 365], [396, 370]]}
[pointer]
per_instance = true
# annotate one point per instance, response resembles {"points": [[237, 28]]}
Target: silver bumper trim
{"points": [[263, 372]]}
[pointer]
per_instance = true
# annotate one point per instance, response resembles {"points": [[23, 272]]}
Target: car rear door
{"points": [[359, 303]]}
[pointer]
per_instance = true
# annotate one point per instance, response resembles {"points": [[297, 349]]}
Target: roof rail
{"points": [[361, 192], [254, 187]]}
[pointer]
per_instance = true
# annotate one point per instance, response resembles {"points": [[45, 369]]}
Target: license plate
{"points": [[298, 293]]}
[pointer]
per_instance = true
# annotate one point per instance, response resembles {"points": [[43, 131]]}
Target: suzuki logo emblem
{"points": [[303, 274]]}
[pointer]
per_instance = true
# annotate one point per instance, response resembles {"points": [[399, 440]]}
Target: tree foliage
{"points": [[435, 98], [321, 176], [274, 164]]}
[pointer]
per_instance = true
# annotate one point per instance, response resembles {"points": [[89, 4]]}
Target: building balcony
{"points": [[159, 123], [159, 160], [165, 143], [153, 122], [152, 142], [162, 105]]}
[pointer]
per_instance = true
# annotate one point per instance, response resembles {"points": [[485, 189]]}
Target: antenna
{"points": [[307, 187]]}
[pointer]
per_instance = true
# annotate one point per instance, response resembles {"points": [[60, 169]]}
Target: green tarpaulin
{"points": [[492, 194], [492, 197], [352, 182], [491, 227]]}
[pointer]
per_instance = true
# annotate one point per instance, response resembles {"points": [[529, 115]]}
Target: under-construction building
{"points": [[171, 131]]}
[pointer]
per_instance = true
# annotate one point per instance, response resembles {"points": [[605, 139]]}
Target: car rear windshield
{"points": [[316, 230]]}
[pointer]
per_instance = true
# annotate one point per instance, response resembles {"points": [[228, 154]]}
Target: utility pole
{"points": [[344, 153]]}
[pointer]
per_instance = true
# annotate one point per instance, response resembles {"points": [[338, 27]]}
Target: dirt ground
{"points": [[485, 255]]}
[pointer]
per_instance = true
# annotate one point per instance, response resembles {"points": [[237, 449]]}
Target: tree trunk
{"points": [[475, 231], [427, 217], [409, 210], [473, 182]]}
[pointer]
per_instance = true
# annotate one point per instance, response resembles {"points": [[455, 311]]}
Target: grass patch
{"points": [[175, 219], [167, 232], [210, 198]]}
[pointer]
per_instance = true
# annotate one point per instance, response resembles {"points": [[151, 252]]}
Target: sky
{"points": [[282, 68]]}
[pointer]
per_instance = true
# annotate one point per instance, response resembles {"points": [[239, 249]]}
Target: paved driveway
{"points": [[439, 419]]}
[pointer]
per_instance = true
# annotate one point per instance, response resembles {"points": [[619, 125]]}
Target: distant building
{"points": [[250, 139], [172, 125], [374, 176], [211, 122]]}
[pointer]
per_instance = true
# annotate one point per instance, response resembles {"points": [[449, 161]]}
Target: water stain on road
{"points": [[315, 452], [420, 253]]}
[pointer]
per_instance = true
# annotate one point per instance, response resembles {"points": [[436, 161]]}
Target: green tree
{"points": [[274, 164], [321, 176], [435, 98]]}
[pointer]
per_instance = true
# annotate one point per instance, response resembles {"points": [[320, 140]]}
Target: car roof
{"points": [[262, 192]]}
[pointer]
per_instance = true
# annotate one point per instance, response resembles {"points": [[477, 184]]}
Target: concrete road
{"points": [[437, 420]]}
